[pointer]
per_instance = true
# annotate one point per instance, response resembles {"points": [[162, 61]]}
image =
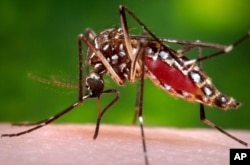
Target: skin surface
{"points": [[120, 145]]}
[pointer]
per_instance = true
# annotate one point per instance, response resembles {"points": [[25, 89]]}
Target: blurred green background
{"points": [[40, 37]]}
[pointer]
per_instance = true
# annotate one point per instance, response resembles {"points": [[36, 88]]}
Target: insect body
{"points": [[111, 44], [179, 78]]}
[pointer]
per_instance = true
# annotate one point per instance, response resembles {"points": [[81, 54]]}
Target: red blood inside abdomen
{"points": [[171, 76]]}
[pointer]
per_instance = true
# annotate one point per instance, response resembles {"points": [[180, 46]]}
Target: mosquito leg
{"points": [[125, 31], [136, 105], [49, 120], [117, 96], [90, 34], [203, 116], [140, 109], [29, 123], [211, 124], [223, 49], [124, 9], [188, 45], [132, 57], [140, 58], [193, 43], [42, 123], [80, 88], [139, 99], [138, 92], [227, 49], [80, 66], [99, 54], [182, 42], [129, 48]]}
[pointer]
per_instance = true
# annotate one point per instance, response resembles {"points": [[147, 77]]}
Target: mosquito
{"points": [[126, 57]]}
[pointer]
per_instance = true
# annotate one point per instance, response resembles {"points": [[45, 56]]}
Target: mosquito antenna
{"points": [[52, 82]]}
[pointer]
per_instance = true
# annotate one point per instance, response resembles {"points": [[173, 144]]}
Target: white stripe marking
{"points": [[141, 119], [228, 49]]}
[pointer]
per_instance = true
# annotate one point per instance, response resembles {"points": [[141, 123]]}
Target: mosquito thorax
{"points": [[111, 43]]}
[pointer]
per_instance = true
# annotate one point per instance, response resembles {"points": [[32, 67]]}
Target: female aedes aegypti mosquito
{"points": [[127, 57]]}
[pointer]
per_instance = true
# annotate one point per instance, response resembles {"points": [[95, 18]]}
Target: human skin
{"points": [[119, 145]]}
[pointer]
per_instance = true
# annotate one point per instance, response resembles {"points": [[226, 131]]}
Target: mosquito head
{"points": [[95, 84]]}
